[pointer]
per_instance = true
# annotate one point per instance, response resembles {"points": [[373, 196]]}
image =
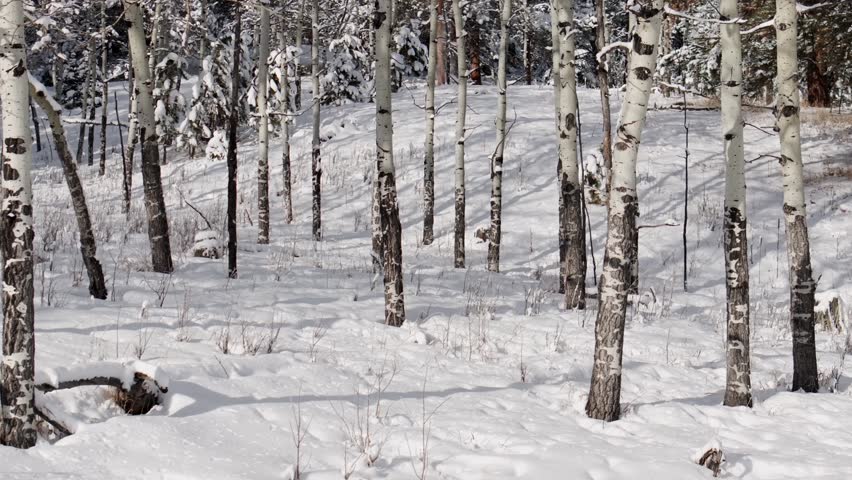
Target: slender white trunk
{"points": [[557, 90], [605, 391], [429, 156], [132, 138], [263, 130], [87, 93], [802, 285], [458, 248], [88, 246], [17, 370], [738, 383], [497, 159], [297, 77], [155, 205], [385, 171], [154, 43], [316, 159], [570, 190], [285, 149], [104, 90]]}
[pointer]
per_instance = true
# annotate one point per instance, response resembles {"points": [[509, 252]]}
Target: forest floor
{"points": [[488, 377]]}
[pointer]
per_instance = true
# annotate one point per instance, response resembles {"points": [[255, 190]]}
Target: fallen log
{"points": [[139, 386]]}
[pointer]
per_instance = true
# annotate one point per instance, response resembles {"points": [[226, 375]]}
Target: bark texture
{"points": [[495, 235], [286, 171], [132, 139], [738, 373], [557, 89], [389, 210], [155, 206], [263, 130], [458, 243], [88, 246], [802, 285], [17, 370], [429, 149], [233, 121], [603, 85], [604, 401], [104, 90], [316, 159], [573, 268]]}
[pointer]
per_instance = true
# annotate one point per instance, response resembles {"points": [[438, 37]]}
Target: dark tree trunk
{"points": [[88, 246], [232, 146], [603, 85], [132, 139], [473, 53], [36, 126]]}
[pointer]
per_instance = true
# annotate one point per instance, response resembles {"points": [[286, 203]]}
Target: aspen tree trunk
{"points": [[155, 205], [154, 43], [497, 159], [297, 80], [376, 228], [458, 248], [605, 391], [441, 46], [429, 156], [738, 383], [88, 246], [233, 120], [91, 143], [389, 209], [202, 41], [802, 285], [557, 90], [285, 153], [316, 160], [528, 77], [132, 138], [263, 129], [104, 90], [87, 90], [603, 85], [570, 189], [17, 371]]}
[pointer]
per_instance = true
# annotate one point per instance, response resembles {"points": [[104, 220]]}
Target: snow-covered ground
{"points": [[488, 377]]}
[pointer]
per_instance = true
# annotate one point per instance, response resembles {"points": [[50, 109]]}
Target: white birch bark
{"points": [[802, 285], [554, 76], [605, 390], [429, 155], [297, 94], [738, 381], [263, 129], [495, 235], [570, 190], [458, 246], [285, 134], [316, 159], [17, 371], [104, 90], [155, 205], [389, 210], [132, 139], [88, 246]]}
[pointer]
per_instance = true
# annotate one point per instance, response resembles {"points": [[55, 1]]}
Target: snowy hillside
{"points": [[488, 377]]}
